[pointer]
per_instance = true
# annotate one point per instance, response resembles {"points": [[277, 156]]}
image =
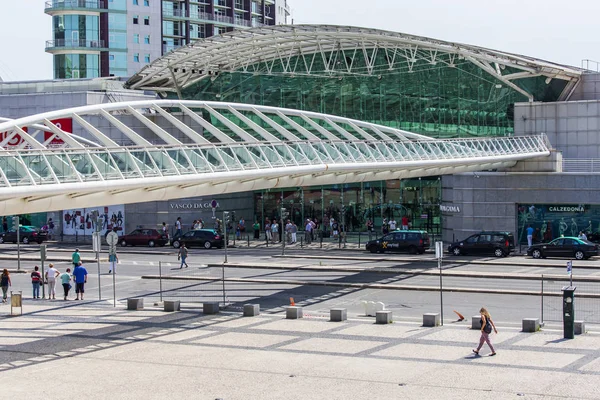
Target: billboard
{"points": [[66, 124], [80, 221]]}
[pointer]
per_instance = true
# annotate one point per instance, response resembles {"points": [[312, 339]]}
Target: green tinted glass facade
{"points": [[437, 100]]}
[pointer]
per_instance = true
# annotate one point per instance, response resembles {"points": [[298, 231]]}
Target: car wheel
{"points": [[579, 255], [25, 240], [151, 243], [123, 243], [536, 253], [207, 245], [499, 253], [373, 250], [456, 251], [39, 241], [412, 250], [176, 244]]}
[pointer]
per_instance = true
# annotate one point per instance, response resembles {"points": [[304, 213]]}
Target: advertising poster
{"points": [[80, 221]]}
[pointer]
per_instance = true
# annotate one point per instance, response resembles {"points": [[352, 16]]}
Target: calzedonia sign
{"points": [[578, 208], [194, 205]]}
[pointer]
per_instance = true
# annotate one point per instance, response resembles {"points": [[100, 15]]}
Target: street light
{"points": [[16, 228], [226, 220]]}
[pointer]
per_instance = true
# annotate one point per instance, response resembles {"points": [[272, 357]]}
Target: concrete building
{"points": [[103, 38]]}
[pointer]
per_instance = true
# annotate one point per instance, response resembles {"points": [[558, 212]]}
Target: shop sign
{"points": [[194, 206], [449, 208], [578, 208]]}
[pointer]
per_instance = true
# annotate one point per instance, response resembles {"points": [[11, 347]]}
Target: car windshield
{"points": [[583, 241], [556, 242]]}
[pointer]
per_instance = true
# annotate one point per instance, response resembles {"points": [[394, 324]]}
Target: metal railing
{"points": [[586, 165], [83, 43], [200, 16], [590, 66], [71, 4], [587, 299]]}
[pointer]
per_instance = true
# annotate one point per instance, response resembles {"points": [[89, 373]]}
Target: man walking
{"points": [[183, 253], [529, 235], [294, 232], [75, 258], [80, 277], [178, 227]]}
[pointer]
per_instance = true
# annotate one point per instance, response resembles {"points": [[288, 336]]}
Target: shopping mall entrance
{"points": [[352, 204]]}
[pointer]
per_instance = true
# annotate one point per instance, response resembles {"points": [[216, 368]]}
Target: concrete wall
{"points": [[588, 88], [572, 127], [487, 201], [154, 49]]}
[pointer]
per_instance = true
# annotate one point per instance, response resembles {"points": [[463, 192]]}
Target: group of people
{"points": [[50, 278]]}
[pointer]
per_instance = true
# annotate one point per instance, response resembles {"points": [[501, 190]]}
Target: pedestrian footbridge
{"points": [[143, 151]]}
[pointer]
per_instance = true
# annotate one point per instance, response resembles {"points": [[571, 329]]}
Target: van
{"points": [[414, 242]]}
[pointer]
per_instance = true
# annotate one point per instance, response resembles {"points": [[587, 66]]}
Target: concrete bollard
{"points": [[172, 305], [135, 304], [210, 307], [579, 327], [338, 314], [293, 312], [476, 322], [531, 324], [431, 319], [251, 310], [383, 317]]}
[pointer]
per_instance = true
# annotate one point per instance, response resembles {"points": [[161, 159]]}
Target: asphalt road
{"points": [[137, 262]]}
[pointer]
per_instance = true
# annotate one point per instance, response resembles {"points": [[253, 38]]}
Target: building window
{"points": [[111, 57], [136, 38], [147, 58], [136, 19], [147, 39], [135, 2], [147, 3], [146, 20], [136, 57]]}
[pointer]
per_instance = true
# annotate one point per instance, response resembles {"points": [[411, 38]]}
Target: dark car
{"points": [[27, 234], [499, 244], [144, 237], [206, 238], [411, 241], [564, 247]]}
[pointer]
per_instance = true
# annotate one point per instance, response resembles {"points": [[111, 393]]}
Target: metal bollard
{"points": [[359, 239], [321, 240], [301, 242], [248, 240]]}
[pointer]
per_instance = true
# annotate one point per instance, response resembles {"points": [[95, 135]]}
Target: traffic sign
{"points": [[112, 239], [96, 245], [569, 267], [439, 250]]}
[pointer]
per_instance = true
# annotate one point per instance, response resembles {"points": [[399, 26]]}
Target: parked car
{"points": [[144, 237], [206, 238], [27, 234], [499, 244], [411, 241], [564, 247]]}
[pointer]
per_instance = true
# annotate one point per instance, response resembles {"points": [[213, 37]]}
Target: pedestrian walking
{"points": [[65, 279], [80, 278], [178, 227], [308, 231], [50, 229], [182, 255], [294, 232], [275, 231], [529, 235], [5, 283], [288, 232], [75, 258], [268, 236], [486, 328], [36, 280], [256, 228], [51, 276]]}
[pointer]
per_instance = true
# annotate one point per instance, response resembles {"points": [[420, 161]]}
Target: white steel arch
{"points": [[292, 50], [178, 149]]}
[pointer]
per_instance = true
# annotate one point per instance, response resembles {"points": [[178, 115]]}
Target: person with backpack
{"points": [[486, 328]]}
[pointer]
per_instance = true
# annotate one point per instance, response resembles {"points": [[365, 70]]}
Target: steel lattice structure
{"points": [[182, 149], [336, 51]]}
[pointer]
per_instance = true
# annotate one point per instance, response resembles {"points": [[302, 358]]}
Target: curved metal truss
{"points": [[179, 149], [325, 50]]}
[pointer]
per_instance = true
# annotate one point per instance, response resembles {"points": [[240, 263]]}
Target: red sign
{"points": [[66, 124]]}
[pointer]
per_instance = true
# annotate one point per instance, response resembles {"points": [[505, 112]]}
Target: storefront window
{"points": [[550, 221]]}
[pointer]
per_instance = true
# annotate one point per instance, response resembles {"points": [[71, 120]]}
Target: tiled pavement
{"points": [[151, 354]]}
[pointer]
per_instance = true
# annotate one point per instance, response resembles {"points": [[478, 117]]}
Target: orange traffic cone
{"points": [[460, 316], [292, 302]]}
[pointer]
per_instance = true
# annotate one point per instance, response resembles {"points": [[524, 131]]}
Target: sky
{"points": [[559, 31]]}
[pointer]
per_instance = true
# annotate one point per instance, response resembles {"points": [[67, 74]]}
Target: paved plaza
{"points": [[97, 352]]}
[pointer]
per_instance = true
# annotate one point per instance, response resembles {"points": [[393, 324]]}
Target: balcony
{"points": [[208, 18], [56, 6], [68, 44]]}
